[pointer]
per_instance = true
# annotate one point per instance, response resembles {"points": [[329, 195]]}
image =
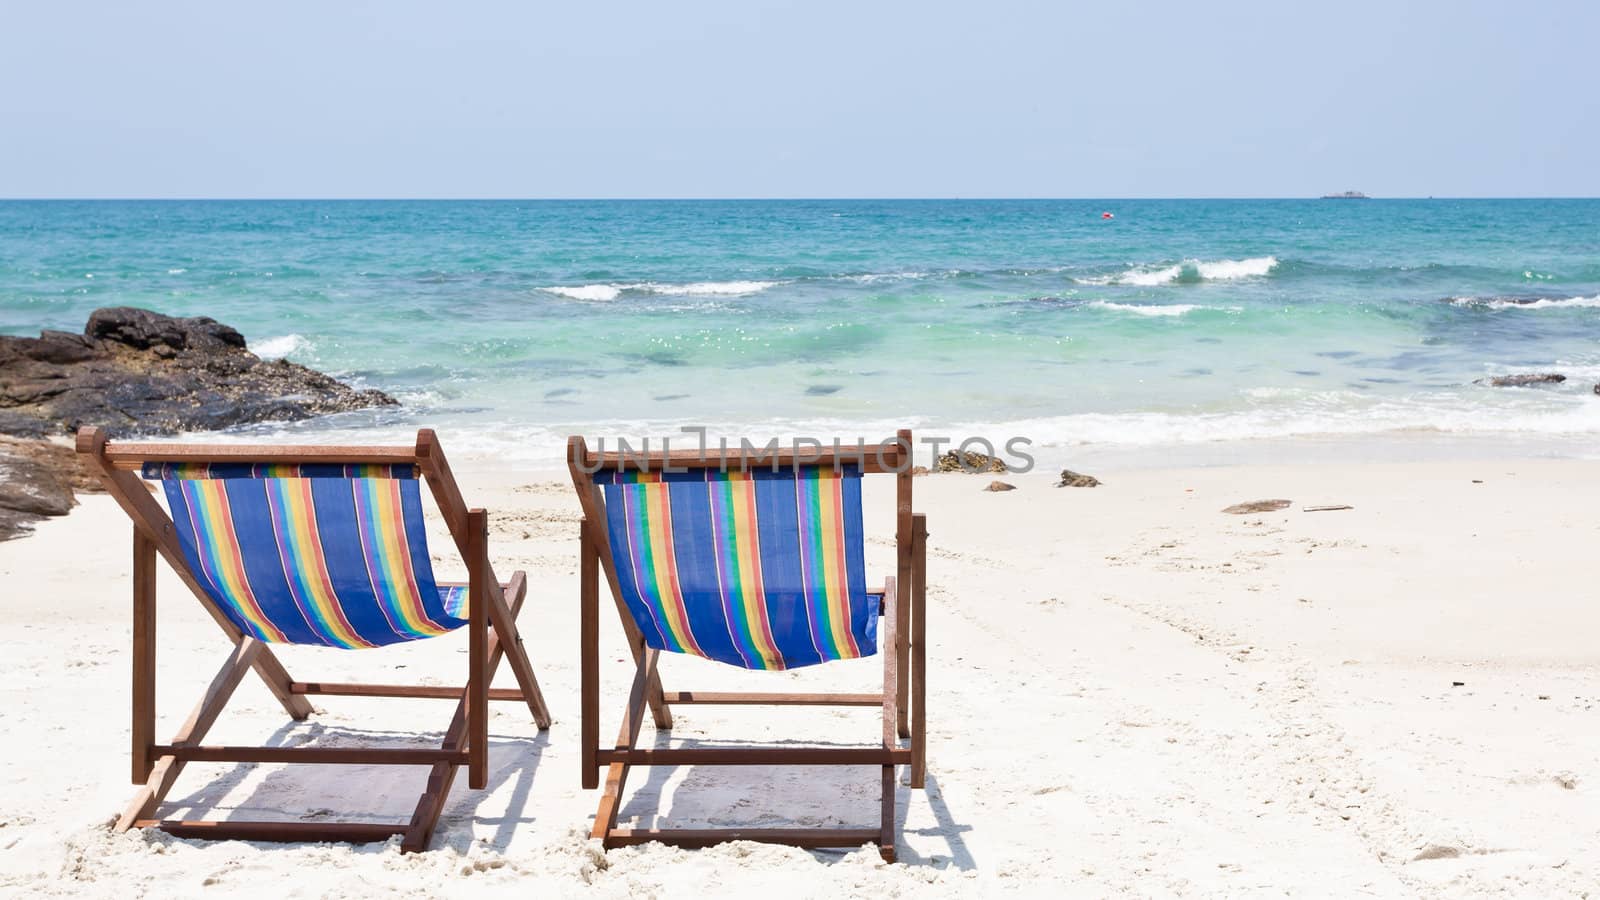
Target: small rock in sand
{"points": [[1070, 478], [968, 461], [1000, 486], [1257, 506]]}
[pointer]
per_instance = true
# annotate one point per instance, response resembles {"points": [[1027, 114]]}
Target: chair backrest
{"points": [[758, 569], [751, 559], [327, 554]]}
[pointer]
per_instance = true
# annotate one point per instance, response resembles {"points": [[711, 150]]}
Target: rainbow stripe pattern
{"points": [[759, 569], [319, 554]]}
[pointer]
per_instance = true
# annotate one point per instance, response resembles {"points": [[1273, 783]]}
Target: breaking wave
{"points": [[1190, 271], [1175, 309], [280, 346], [606, 292]]}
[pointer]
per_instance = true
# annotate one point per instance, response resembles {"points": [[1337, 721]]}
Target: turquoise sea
{"points": [[1177, 323]]}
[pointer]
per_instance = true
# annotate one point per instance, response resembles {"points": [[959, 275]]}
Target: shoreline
{"points": [[1130, 691]]}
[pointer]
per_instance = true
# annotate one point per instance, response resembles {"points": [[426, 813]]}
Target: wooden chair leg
{"points": [[891, 713], [902, 540], [589, 641], [919, 652], [144, 655], [477, 651]]}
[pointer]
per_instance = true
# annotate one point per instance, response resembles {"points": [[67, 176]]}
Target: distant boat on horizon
{"points": [[1347, 195]]}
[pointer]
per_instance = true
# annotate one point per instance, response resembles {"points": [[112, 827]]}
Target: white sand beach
{"points": [[1131, 693]]}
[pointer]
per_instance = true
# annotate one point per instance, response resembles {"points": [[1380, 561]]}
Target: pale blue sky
{"points": [[797, 99]]}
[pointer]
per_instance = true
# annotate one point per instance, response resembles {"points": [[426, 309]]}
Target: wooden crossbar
{"points": [[812, 838], [419, 691], [399, 756], [351, 832], [131, 456], [755, 756], [872, 458]]}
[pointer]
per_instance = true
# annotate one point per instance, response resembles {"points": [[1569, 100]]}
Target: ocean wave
{"points": [[1174, 309], [280, 346], [591, 292], [1190, 271], [709, 288], [875, 277], [1498, 303], [606, 292]]}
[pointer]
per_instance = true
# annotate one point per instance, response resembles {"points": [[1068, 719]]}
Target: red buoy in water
{"points": [[1107, 215]]}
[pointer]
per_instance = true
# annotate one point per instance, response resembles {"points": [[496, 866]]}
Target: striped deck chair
{"points": [[310, 545], [756, 562]]}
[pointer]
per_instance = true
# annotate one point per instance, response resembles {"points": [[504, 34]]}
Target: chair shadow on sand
{"points": [[790, 796], [337, 792]]}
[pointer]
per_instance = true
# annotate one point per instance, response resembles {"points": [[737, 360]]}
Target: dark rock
{"points": [[1257, 506], [37, 479], [137, 372], [1597, 389], [969, 461], [144, 329], [1070, 478], [996, 486], [1522, 380]]}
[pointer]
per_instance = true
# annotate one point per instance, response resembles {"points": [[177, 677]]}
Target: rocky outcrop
{"points": [[1522, 380], [136, 372]]}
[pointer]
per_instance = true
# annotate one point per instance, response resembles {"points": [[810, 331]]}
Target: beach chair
{"points": [[754, 560], [310, 545]]}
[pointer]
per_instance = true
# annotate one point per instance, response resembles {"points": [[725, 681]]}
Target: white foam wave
{"points": [[1230, 269], [875, 277], [1188, 270], [280, 346], [1175, 309], [601, 293], [1544, 303], [710, 288], [591, 292], [176, 271]]}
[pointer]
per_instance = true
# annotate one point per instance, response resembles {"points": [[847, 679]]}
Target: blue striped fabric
{"points": [[757, 569], [328, 555]]}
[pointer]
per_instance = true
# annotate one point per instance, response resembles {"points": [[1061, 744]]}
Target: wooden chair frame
{"points": [[903, 647], [492, 634]]}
